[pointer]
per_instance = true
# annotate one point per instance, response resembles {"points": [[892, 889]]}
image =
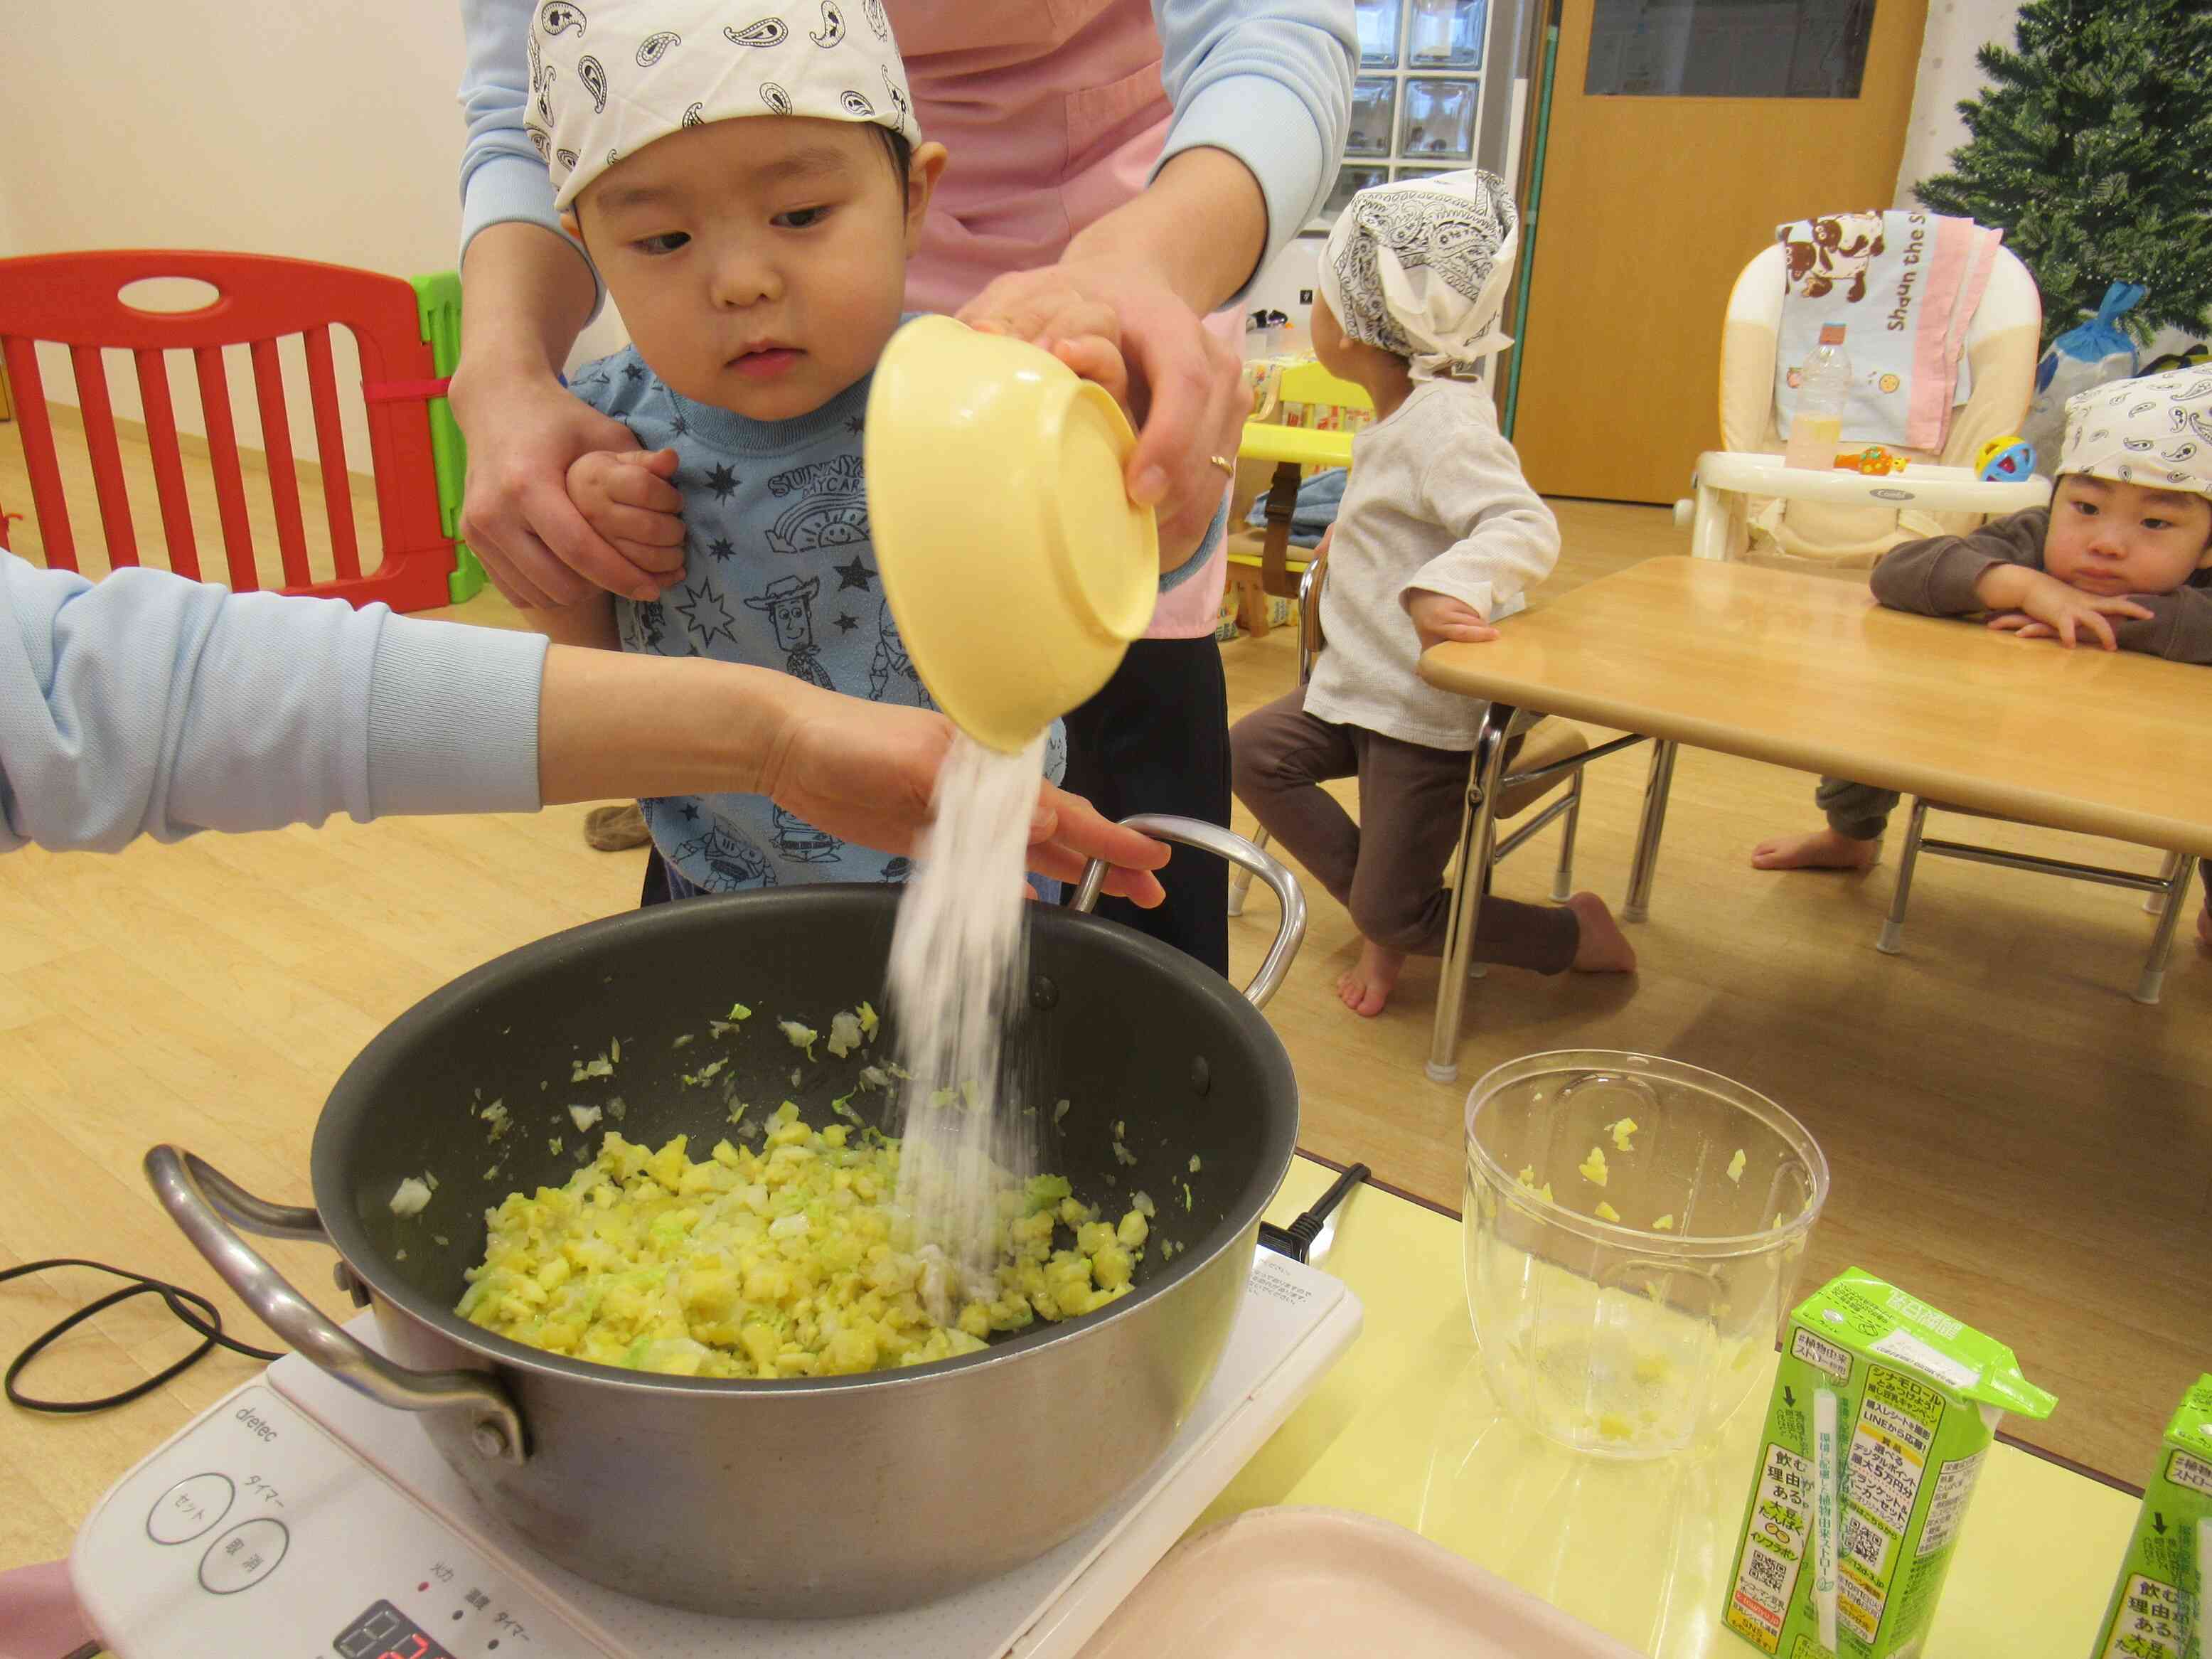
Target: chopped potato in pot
{"points": [[788, 1260]]}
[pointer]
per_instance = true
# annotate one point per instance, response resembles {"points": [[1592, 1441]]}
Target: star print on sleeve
{"points": [[846, 624], [723, 481], [707, 616], [720, 548], [855, 574], [854, 423]]}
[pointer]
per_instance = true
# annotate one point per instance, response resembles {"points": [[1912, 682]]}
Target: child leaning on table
{"points": [[750, 194], [2122, 556], [1438, 536]]}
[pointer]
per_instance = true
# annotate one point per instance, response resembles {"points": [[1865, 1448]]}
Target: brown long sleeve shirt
{"points": [[1936, 578]]}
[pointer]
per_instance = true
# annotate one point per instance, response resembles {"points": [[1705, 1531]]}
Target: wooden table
{"points": [[1807, 671]]}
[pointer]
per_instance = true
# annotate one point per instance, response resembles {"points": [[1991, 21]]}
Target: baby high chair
{"points": [[1745, 500], [1265, 566], [406, 336]]}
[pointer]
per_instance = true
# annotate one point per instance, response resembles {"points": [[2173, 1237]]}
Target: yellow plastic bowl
{"points": [[1017, 568]]}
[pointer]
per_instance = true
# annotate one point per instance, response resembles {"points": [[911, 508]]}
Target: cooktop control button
{"points": [[244, 1556], [190, 1508]]}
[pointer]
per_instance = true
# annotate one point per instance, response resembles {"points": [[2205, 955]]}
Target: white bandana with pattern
{"points": [[1420, 268], [609, 76], [2155, 431]]}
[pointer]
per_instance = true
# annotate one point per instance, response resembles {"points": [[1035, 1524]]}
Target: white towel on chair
{"points": [[1905, 286]]}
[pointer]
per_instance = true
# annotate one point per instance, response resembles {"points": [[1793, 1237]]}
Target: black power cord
{"points": [[210, 1328], [1295, 1241]]}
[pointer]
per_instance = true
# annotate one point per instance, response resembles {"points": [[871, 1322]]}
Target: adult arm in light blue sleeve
{"points": [[1270, 83], [503, 178], [149, 705]]}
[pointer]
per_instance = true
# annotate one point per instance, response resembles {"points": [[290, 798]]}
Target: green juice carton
{"points": [[1882, 1411], [2158, 1607]]}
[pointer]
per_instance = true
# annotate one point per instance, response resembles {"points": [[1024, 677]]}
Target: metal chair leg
{"points": [[1240, 878], [2153, 902], [1892, 942], [2161, 944], [1563, 879], [1478, 834], [1655, 789]]}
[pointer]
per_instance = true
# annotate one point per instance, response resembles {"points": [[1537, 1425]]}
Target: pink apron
{"points": [[1054, 123]]}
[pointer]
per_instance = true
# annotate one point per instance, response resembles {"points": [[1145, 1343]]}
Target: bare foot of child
{"points": [[1366, 986], [1604, 948], [1823, 849]]}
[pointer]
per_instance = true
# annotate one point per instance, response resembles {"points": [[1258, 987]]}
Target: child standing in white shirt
{"points": [[1438, 536]]}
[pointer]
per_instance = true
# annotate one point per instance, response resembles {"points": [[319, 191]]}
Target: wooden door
{"points": [[1652, 202]]}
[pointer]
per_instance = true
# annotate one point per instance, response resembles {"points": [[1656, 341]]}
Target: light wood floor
{"points": [[2013, 1138]]}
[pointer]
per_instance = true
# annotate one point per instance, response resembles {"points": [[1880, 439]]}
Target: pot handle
{"points": [[207, 1206], [1290, 932]]}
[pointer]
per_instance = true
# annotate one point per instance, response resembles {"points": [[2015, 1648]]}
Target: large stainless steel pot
{"points": [[804, 1497]]}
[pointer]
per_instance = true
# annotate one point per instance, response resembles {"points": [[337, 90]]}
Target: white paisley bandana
{"points": [[607, 77], [1420, 268], [2156, 432]]}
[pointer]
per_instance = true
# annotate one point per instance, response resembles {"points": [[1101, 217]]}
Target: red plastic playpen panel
{"points": [[74, 300]]}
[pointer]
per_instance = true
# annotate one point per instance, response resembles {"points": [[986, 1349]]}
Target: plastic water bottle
{"points": [[1824, 388]]}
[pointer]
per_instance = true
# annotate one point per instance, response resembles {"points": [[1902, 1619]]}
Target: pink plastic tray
{"points": [[1291, 1582]]}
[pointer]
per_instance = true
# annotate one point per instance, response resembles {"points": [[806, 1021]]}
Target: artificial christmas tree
{"points": [[2091, 149]]}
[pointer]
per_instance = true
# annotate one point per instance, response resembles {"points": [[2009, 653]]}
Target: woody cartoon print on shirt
{"points": [[789, 602]]}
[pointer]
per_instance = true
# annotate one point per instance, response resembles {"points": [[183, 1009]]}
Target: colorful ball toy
{"points": [[2009, 459]]}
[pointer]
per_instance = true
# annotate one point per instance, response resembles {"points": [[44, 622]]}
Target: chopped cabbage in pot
{"points": [[788, 1260]]}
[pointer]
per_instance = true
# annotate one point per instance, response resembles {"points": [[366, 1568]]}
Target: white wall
{"points": [[314, 128], [1957, 29], [306, 127]]}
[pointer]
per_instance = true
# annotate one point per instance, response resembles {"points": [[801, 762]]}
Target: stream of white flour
{"points": [[958, 967]]}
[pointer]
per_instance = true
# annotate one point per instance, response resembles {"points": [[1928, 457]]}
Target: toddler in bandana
{"points": [[2122, 558], [751, 188], [1437, 539]]}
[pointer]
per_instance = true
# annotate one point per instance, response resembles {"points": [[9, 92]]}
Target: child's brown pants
{"points": [[1387, 868]]}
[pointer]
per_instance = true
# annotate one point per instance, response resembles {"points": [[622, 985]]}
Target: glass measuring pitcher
{"points": [[1636, 1329]]}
